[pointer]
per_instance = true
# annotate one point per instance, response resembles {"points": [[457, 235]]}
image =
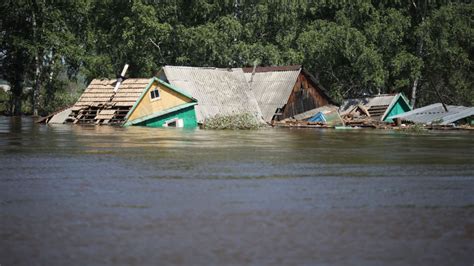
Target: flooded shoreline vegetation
{"points": [[234, 121], [414, 128]]}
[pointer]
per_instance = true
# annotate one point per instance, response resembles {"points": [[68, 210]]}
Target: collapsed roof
{"points": [[100, 105], [377, 107]]}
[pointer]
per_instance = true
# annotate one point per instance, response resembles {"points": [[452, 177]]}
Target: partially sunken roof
{"points": [[313, 112], [99, 105], [272, 86], [378, 106], [219, 91], [436, 114]]}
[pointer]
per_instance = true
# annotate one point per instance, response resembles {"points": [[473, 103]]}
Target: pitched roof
{"points": [[100, 91], [378, 106], [272, 87], [435, 113], [218, 90], [98, 104], [271, 68]]}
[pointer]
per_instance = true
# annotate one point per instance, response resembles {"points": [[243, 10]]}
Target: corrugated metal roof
{"points": [[435, 113], [271, 68], [218, 91], [272, 88]]}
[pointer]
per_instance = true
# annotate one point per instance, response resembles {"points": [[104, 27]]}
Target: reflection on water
{"points": [[107, 195]]}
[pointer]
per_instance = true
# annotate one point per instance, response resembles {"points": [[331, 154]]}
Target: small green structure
{"points": [[399, 105], [163, 105]]}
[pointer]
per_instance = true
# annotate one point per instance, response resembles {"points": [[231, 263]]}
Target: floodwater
{"points": [[83, 195]]}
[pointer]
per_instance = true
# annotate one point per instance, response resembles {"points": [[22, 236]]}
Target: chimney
{"points": [[121, 78]]}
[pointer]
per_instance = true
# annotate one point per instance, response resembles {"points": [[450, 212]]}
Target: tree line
{"points": [[423, 48]]}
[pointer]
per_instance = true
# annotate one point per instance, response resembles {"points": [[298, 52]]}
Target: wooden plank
{"points": [[97, 94], [100, 117], [107, 112], [124, 99], [133, 90], [102, 81], [101, 99], [137, 80], [98, 90], [109, 92]]}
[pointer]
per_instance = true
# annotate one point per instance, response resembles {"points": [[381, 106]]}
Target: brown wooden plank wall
{"points": [[305, 96]]}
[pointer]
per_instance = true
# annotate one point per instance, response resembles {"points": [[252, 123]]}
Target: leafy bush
{"points": [[234, 121]]}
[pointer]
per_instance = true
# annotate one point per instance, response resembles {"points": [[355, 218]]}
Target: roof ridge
{"points": [[260, 69], [204, 68]]}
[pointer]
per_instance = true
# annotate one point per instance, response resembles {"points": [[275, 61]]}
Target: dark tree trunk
{"points": [[37, 84], [15, 100]]}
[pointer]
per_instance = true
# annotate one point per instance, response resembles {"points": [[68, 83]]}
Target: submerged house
{"points": [[147, 102], [379, 108], [286, 91], [219, 91], [163, 105], [436, 114]]}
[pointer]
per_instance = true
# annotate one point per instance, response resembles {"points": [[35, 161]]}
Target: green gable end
{"points": [[401, 106]]}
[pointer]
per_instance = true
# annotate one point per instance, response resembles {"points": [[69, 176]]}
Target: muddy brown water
{"points": [[75, 195]]}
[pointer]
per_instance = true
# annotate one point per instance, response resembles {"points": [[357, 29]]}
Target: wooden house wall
{"points": [[304, 96], [168, 99]]}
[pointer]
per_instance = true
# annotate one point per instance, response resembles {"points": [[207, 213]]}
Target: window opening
{"points": [[155, 94]]}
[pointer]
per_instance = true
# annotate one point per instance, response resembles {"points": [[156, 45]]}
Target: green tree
{"points": [[448, 55], [419, 47], [342, 58], [39, 38]]}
